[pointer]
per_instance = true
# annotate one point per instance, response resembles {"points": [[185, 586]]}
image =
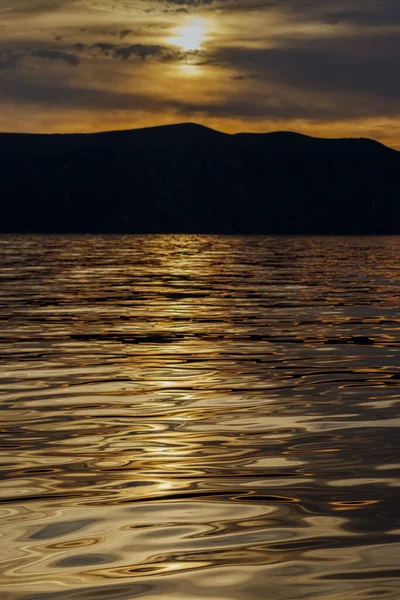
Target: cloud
{"points": [[176, 11], [256, 101], [124, 33], [143, 51], [11, 58], [314, 79], [42, 92], [364, 68], [192, 3], [244, 77], [386, 12], [262, 59], [115, 33], [356, 12], [79, 47], [31, 7], [56, 55]]}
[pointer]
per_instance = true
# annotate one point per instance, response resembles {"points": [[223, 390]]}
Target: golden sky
{"points": [[326, 68]]}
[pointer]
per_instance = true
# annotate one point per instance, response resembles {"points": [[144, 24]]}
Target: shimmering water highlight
{"points": [[188, 417]]}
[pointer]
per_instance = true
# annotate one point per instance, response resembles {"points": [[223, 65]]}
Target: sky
{"points": [[326, 68]]}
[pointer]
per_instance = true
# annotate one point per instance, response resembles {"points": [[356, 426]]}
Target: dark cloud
{"points": [[10, 58], [289, 105], [176, 11], [43, 92], [385, 12], [79, 47], [115, 33], [104, 48], [348, 73], [29, 7], [276, 103], [319, 78], [244, 77], [356, 12], [145, 50], [142, 51], [364, 66], [192, 3], [56, 55], [124, 33]]}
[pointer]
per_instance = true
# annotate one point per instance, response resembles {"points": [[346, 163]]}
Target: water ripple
{"points": [[199, 416]]}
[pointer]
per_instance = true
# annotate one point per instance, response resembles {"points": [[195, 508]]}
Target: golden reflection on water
{"points": [[199, 416]]}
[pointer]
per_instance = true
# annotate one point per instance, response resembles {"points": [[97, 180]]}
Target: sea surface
{"points": [[189, 417]]}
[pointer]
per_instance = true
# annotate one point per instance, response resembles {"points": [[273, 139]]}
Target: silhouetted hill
{"points": [[188, 178], [287, 144]]}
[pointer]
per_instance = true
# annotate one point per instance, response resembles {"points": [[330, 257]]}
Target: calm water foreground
{"points": [[189, 417]]}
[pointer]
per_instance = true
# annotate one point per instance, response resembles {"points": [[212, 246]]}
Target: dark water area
{"points": [[188, 417]]}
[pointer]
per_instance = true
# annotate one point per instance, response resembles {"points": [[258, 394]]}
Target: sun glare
{"points": [[189, 69], [191, 35]]}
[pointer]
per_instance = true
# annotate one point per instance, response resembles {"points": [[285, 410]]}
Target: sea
{"points": [[189, 417]]}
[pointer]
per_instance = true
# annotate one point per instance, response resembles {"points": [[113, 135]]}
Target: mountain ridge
{"points": [[190, 178], [195, 127]]}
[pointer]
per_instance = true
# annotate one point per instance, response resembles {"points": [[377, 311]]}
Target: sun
{"points": [[191, 35]]}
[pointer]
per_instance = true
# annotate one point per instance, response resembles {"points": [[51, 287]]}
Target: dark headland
{"points": [[188, 178]]}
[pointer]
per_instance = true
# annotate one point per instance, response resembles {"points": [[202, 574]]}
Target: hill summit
{"points": [[189, 178]]}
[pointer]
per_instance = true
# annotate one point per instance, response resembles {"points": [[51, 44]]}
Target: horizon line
{"points": [[199, 125]]}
